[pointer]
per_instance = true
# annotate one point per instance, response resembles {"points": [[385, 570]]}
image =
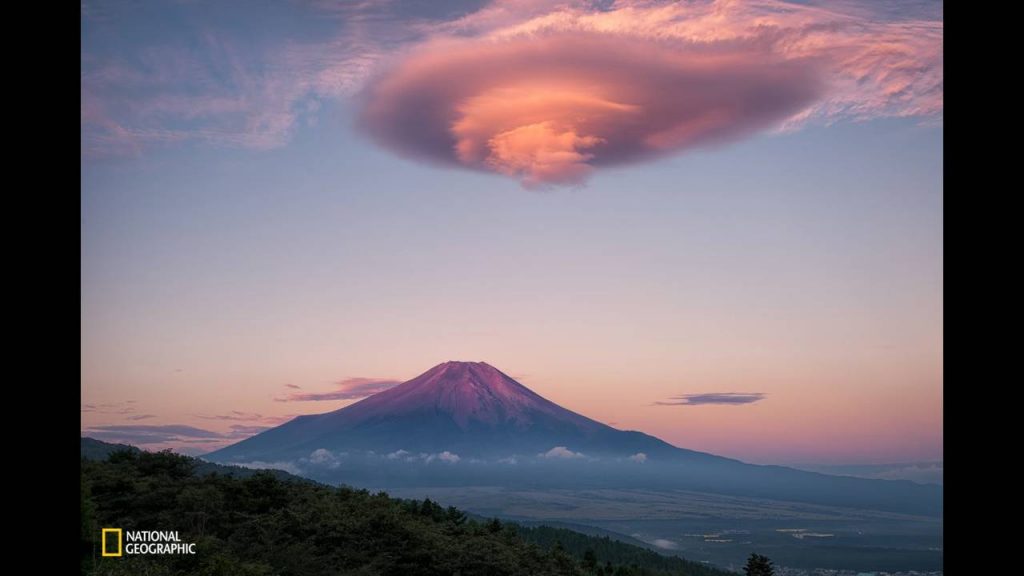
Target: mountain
{"points": [[93, 449], [467, 423], [468, 408]]}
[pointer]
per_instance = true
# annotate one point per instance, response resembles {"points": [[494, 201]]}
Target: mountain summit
{"points": [[469, 407], [472, 394]]}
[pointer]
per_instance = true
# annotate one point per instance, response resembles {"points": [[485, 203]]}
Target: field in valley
{"points": [[722, 530]]}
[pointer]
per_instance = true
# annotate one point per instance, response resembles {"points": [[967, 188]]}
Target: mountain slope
{"points": [[469, 408], [98, 450], [467, 423], [93, 449]]}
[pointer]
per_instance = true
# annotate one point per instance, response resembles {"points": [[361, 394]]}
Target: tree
{"points": [[590, 560], [758, 565], [562, 561], [456, 516]]}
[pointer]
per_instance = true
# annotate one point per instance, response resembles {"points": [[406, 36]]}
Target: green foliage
{"points": [[758, 565], [589, 560], [605, 549], [262, 525]]}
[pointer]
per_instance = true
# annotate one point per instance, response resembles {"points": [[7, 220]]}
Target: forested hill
{"points": [[265, 525], [93, 449]]}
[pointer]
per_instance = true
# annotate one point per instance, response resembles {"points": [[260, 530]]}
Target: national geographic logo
{"points": [[116, 542]]}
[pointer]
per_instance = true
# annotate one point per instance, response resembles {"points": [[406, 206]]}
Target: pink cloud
{"points": [[236, 415], [550, 109], [349, 389], [548, 94]]}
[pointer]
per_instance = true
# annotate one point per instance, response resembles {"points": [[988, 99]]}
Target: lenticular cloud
{"points": [[550, 110], [549, 97]]}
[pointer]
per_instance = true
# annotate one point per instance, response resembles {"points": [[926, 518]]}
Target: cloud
{"points": [[217, 85], [125, 408], [252, 417], [244, 431], [397, 454], [182, 437], [639, 457], [293, 386], [445, 456], [235, 415], [731, 398], [923, 472], [176, 429], [665, 544], [561, 452], [325, 458], [320, 455], [511, 460], [549, 110], [289, 467], [151, 434], [405, 455], [350, 389], [548, 96]]}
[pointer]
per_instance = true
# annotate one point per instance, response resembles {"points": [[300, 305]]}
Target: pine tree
{"points": [[455, 516], [758, 565], [564, 564], [590, 560]]}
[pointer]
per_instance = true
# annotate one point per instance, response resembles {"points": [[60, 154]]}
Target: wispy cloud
{"points": [[349, 389], [244, 431], [253, 417], [234, 415], [151, 434], [215, 86], [174, 435], [123, 407], [729, 398], [923, 472], [127, 409]]}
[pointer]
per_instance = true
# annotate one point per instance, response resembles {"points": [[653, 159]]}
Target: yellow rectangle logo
{"points": [[103, 541]]}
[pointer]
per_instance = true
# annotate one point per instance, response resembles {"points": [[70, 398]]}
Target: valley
{"points": [[721, 530]]}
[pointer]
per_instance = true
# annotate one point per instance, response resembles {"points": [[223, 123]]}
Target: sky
{"points": [[717, 222]]}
